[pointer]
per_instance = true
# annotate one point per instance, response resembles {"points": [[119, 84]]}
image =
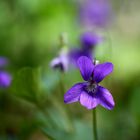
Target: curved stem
{"points": [[95, 136]]}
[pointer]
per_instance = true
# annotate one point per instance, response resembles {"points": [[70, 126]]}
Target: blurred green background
{"points": [[32, 108]]}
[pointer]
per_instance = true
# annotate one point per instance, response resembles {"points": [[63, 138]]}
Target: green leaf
{"points": [[26, 83]]}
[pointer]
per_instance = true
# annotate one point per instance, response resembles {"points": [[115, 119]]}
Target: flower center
{"points": [[91, 87]]}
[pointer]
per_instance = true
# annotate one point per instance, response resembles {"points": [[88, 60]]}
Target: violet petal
{"points": [[73, 94], [105, 98], [86, 67], [102, 70], [90, 102], [55, 61]]}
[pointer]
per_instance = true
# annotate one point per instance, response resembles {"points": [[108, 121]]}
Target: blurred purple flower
{"points": [[5, 79], [95, 13], [88, 43], [61, 62], [3, 61], [76, 53], [90, 40], [90, 93]]}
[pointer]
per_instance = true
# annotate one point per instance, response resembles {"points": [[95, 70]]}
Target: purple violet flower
{"points": [[88, 43], [90, 93], [95, 13], [61, 62], [90, 40], [5, 79]]}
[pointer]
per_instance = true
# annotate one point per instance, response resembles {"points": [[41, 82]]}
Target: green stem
{"points": [[95, 136]]}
